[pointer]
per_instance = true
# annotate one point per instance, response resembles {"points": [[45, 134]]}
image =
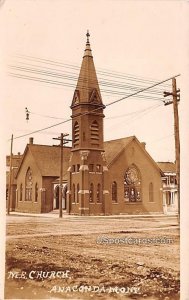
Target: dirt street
{"points": [[92, 258]]}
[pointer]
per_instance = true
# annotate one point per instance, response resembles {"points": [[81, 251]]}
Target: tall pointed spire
{"points": [[87, 89]]}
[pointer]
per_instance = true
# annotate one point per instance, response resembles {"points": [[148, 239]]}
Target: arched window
{"points": [[151, 192], [28, 184], [76, 134], [98, 193], [114, 191], [91, 193], [21, 192], [73, 193], [78, 193], [36, 192], [95, 133], [132, 185]]}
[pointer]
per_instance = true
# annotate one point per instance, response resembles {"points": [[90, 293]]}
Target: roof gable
{"points": [[113, 150], [47, 159]]}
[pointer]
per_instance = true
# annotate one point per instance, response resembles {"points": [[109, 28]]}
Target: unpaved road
{"points": [[73, 244]]}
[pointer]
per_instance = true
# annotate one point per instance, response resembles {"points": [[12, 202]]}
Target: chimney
{"points": [[143, 145], [31, 140]]}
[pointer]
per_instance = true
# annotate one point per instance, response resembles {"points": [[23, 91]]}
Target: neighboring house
{"points": [[37, 175], [170, 189], [16, 159]]}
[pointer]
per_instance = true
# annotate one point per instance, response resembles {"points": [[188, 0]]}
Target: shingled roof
{"points": [[167, 167], [47, 159], [114, 147]]}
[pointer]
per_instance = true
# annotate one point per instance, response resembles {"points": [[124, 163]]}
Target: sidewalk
{"points": [[55, 214]]}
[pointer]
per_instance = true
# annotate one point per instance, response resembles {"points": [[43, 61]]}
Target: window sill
{"points": [[133, 203]]}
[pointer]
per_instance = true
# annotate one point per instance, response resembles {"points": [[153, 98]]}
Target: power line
{"points": [[71, 66], [134, 113], [140, 115], [74, 77], [114, 102], [60, 83], [107, 118]]}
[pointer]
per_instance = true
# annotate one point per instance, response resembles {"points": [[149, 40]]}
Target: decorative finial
{"points": [[87, 35]]}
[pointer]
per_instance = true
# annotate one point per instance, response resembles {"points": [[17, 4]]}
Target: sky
{"points": [[140, 38]]}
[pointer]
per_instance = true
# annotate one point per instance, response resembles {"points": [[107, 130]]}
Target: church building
{"points": [[129, 181], [100, 178]]}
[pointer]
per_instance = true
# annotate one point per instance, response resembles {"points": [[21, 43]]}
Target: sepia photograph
{"points": [[92, 113]]}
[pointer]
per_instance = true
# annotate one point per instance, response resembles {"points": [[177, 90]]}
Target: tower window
{"points": [[91, 193], [98, 193], [76, 134], [98, 168], [95, 133], [91, 168]]}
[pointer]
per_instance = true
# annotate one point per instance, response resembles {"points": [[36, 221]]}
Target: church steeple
{"points": [[87, 185], [87, 89]]}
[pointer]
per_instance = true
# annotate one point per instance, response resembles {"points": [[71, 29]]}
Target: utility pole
{"points": [[62, 142], [176, 98], [10, 180]]}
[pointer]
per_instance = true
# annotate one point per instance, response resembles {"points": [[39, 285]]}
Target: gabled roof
{"points": [[114, 148], [167, 167], [47, 158]]}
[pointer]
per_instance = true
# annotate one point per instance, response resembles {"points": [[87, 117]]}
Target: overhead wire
{"points": [[50, 81], [77, 68], [98, 108], [60, 83], [107, 83], [106, 73], [133, 113]]}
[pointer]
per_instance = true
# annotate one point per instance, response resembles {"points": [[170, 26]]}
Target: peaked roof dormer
{"points": [[87, 89]]}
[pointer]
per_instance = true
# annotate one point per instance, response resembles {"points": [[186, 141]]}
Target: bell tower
{"points": [[88, 192]]}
